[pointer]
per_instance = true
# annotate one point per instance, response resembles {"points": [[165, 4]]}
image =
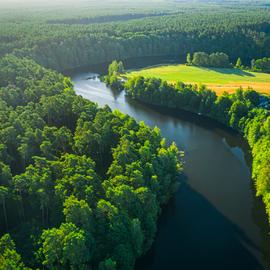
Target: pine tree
{"points": [[238, 63], [189, 59]]}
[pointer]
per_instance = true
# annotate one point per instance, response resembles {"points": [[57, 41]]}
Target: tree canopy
{"points": [[243, 111], [73, 42], [217, 60], [80, 186]]}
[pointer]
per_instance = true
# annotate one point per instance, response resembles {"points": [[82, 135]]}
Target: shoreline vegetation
{"points": [[217, 79], [80, 186], [245, 111], [214, 71]]}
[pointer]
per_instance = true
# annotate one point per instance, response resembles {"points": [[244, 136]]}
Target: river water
{"points": [[214, 221]]}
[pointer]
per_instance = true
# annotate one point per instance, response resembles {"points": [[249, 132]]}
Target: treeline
{"points": [[202, 59], [237, 33], [261, 65], [244, 111], [81, 187], [106, 18], [222, 60]]}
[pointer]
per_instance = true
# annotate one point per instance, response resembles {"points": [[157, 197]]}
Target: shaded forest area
{"points": [[238, 32]]}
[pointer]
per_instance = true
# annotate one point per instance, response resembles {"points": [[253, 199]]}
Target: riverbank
{"points": [[240, 111], [200, 221]]}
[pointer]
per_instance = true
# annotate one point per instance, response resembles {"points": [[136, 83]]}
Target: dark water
{"points": [[214, 221]]}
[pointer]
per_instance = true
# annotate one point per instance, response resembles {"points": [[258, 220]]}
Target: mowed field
{"points": [[218, 79]]}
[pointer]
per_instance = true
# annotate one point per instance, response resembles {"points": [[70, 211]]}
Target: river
{"points": [[214, 220]]}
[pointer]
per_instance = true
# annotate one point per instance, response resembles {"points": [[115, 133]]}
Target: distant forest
{"points": [[236, 32], [82, 187]]}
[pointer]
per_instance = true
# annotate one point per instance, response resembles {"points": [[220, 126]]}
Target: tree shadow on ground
{"points": [[230, 71]]}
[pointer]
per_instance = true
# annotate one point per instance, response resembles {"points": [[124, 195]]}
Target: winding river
{"points": [[214, 221]]}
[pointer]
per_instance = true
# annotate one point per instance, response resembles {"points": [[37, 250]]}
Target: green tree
{"points": [[65, 248], [137, 237], [78, 213], [115, 68], [201, 59], [189, 59], [9, 258], [238, 63], [221, 108], [60, 148], [5, 175], [108, 264], [37, 181], [237, 111], [3, 197], [76, 176]]}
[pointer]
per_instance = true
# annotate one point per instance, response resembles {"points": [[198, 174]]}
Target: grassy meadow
{"points": [[218, 79]]}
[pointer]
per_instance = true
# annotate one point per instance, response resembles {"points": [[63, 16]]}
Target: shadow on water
{"points": [[230, 71], [209, 240], [212, 238], [214, 221], [186, 116], [258, 211], [116, 94]]}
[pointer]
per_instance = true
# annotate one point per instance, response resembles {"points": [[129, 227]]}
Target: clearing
{"points": [[217, 79]]}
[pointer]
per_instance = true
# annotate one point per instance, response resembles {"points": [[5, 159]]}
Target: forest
{"points": [[236, 32], [242, 111], [80, 185]]}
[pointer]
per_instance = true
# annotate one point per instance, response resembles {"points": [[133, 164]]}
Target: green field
{"points": [[218, 79]]}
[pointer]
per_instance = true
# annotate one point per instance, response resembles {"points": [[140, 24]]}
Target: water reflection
{"points": [[194, 235], [214, 221]]}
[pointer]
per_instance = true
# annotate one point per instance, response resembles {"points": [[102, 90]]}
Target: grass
{"points": [[217, 79]]}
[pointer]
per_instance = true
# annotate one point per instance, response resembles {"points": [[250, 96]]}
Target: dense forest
{"points": [[236, 32], [245, 111], [80, 186]]}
